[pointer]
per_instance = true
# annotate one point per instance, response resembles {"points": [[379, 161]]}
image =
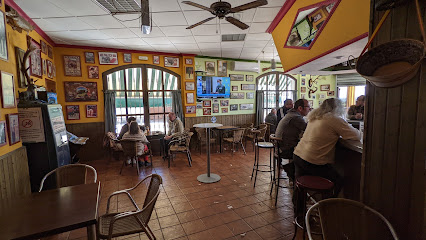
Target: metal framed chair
{"points": [[259, 136], [237, 138], [70, 175], [181, 145], [112, 225], [202, 138], [347, 219], [130, 151], [113, 145]]}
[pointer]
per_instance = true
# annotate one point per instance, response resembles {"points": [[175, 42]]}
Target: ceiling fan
{"points": [[221, 9]]}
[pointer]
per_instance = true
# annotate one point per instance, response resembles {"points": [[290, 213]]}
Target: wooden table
{"points": [[51, 212], [221, 132], [154, 139]]}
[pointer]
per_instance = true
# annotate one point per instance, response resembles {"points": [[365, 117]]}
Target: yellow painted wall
{"points": [[16, 39], [350, 20], [62, 51], [321, 80]]}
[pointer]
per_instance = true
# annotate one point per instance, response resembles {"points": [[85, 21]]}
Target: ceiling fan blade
{"points": [[237, 23], [249, 5], [198, 6], [199, 23]]}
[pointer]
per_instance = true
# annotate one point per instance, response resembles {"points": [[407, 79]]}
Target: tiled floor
{"points": [[188, 209]]}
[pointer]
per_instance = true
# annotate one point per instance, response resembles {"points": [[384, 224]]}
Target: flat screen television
{"points": [[211, 87]]}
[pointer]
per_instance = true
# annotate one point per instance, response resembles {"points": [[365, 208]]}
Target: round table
{"points": [[208, 177]]}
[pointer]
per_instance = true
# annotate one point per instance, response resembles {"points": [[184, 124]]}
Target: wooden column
{"points": [[393, 174]]}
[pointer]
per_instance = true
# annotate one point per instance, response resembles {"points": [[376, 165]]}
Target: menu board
{"points": [[31, 126]]}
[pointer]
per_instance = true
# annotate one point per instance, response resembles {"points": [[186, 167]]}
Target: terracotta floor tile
{"points": [[164, 211], [187, 216], [221, 232], [259, 207], [205, 211], [173, 232], [255, 221], [193, 227], [250, 235], [238, 227], [204, 235], [182, 207], [229, 216], [285, 226], [168, 221], [268, 232], [245, 212]]}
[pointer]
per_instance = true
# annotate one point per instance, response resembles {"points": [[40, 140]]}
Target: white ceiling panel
{"points": [[38, 9], [231, 29], [79, 35], [61, 24], [209, 45], [255, 43], [230, 54], [239, 44], [275, 3], [182, 40], [99, 22], [204, 30], [265, 14], [207, 39], [165, 48], [155, 32], [259, 27], [157, 41], [194, 17], [206, 3], [129, 20], [183, 47], [133, 41], [139, 47], [169, 19], [258, 36], [176, 31], [164, 5], [252, 50], [119, 33], [247, 15], [79, 7]]}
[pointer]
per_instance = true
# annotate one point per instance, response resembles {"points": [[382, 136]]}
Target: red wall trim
{"points": [[26, 17], [283, 11], [364, 35]]}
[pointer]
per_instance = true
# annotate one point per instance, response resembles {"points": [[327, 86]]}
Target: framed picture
{"points": [[248, 87], [189, 86], [35, 60], [233, 107], [7, 90], [222, 68], [215, 100], [49, 68], [81, 91], [224, 110], [303, 96], [3, 38], [189, 97], [43, 47], [303, 89], [50, 85], [322, 96], [19, 54], [224, 103], [249, 78], [72, 66], [210, 68], [156, 59], [303, 82], [108, 58], [190, 109], [236, 77], [91, 111], [199, 105], [237, 95], [127, 57], [49, 51], [13, 128], [171, 62], [246, 106], [215, 107], [250, 95], [234, 88], [54, 70], [188, 61], [189, 73], [311, 103], [207, 103], [2, 133], [317, 17], [73, 112], [325, 87], [207, 111], [330, 93], [89, 57], [93, 72], [44, 67]]}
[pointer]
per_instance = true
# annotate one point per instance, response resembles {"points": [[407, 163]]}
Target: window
{"points": [[276, 91], [143, 92], [353, 92]]}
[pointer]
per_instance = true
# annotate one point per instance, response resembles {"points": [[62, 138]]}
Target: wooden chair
{"points": [[202, 138], [260, 136], [347, 219], [130, 151], [181, 145], [71, 175], [237, 137], [112, 225]]}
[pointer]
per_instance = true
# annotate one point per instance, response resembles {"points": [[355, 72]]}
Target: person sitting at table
{"points": [[125, 127], [356, 112], [288, 104], [136, 134], [289, 129], [271, 118], [314, 154], [175, 128]]}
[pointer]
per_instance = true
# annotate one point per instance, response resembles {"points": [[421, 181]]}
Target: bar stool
{"points": [[303, 184], [276, 162], [256, 164]]}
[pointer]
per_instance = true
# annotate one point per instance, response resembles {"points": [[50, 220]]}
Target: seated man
{"points": [[290, 129], [175, 128], [356, 112], [125, 127], [272, 119], [282, 111]]}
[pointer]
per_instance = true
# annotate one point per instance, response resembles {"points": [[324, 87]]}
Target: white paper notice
{"points": [[31, 126]]}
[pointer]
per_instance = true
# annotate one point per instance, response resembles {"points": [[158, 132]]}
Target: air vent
{"points": [[120, 6], [233, 37]]}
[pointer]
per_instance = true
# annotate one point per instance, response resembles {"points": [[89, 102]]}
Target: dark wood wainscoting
{"points": [[14, 175], [230, 120], [95, 132]]}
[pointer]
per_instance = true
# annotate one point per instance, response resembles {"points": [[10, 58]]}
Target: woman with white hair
{"points": [[314, 154]]}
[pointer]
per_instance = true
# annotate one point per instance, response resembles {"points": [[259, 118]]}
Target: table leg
{"points": [[91, 232], [209, 177], [208, 152]]}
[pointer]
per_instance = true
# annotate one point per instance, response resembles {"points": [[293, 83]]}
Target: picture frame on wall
{"points": [[248, 87], [73, 112], [3, 134], [207, 103], [54, 70], [49, 68], [189, 73], [224, 103], [43, 46], [215, 107], [156, 59], [72, 66], [190, 109], [246, 106], [249, 78], [81, 91], [13, 128], [50, 85], [89, 57], [237, 95], [210, 68], [127, 57], [93, 72], [224, 110], [330, 93], [236, 77], [233, 107], [250, 95], [234, 88], [49, 51], [171, 62], [207, 111], [44, 67], [108, 58], [19, 55], [325, 87], [311, 103], [199, 105], [91, 111], [321, 96], [303, 82], [303, 89], [3, 38], [222, 68], [188, 61], [35, 59], [189, 98], [189, 86], [7, 90]]}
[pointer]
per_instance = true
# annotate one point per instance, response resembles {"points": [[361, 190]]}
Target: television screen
{"points": [[213, 87]]}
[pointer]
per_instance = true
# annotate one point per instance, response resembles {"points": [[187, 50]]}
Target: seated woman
{"points": [[136, 134], [314, 154]]}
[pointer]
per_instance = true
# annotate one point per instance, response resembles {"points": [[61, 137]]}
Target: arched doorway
{"points": [[277, 87], [143, 91]]}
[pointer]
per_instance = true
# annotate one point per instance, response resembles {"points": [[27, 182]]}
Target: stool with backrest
{"points": [[256, 165], [276, 166], [237, 138], [314, 185], [71, 175]]}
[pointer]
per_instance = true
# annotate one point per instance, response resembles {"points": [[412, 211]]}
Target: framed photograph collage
{"points": [[189, 85]]}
